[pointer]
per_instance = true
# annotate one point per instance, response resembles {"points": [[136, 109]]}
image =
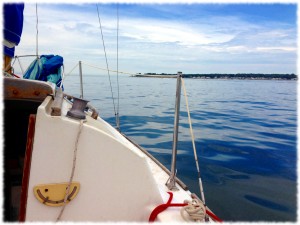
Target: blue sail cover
{"points": [[13, 25], [45, 68]]}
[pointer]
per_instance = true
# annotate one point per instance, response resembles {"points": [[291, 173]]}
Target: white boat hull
{"points": [[117, 181]]}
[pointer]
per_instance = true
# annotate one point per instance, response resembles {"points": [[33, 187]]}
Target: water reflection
{"points": [[245, 136]]}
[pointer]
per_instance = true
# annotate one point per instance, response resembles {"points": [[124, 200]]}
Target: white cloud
{"points": [[152, 44], [277, 49]]}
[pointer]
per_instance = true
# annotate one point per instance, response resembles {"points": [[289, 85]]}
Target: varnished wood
{"points": [[7, 64], [26, 89], [26, 170], [57, 103]]}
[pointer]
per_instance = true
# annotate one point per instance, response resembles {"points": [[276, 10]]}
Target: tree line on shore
{"points": [[230, 75]]}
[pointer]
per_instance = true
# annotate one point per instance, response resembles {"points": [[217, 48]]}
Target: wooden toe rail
{"points": [[15, 89]]}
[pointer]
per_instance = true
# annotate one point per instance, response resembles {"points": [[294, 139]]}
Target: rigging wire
{"points": [[37, 30], [106, 69], [20, 65], [65, 75], [106, 62], [193, 142], [62, 76], [118, 99]]}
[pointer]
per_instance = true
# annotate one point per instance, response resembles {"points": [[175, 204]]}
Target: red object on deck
{"points": [[213, 216], [163, 207], [15, 75]]}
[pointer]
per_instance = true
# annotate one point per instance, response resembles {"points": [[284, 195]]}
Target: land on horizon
{"points": [[250, 76]]}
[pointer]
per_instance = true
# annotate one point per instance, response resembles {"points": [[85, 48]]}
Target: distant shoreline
{"points": [[239, 76]]}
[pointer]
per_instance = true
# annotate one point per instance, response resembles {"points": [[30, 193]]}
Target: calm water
{"points": [[245, 135]]}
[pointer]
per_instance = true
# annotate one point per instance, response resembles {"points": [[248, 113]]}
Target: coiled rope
{"points": [[194, 210]]}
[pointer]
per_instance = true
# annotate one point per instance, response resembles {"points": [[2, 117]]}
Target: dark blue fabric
{"points": [[46, 68], [51, 65], [9, 51], [13, 24]]}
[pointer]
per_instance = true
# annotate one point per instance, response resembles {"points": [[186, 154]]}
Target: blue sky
{"points": [[165, 38]]}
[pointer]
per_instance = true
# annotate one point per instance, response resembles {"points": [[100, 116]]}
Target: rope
{"points": [[193, 142], [193, 210], [6, 74], [106, 61], [37, 29], [65, 76], [13, 62], [106, 69], [71, 70], [21, 56], [72, 173], [20, 65]]}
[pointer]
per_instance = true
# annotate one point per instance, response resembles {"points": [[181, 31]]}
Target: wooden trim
{"points": [[57, 103], [27, 164], [7, 64], [26, 89], [95, 113]]}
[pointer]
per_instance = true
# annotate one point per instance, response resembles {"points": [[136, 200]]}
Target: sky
{"points": [[192, 37]]}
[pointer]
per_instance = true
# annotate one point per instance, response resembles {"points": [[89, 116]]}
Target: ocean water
{"points": [[245, 133]]}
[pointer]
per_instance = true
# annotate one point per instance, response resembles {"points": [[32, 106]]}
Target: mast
{"points": [[171, 181]]}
